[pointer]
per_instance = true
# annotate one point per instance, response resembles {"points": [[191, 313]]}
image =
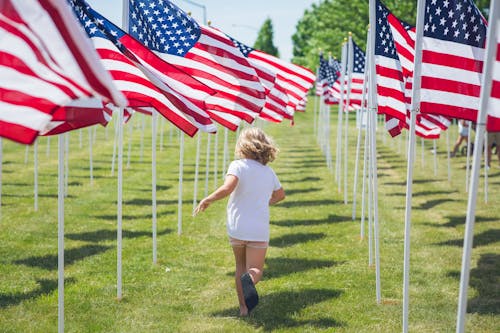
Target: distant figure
{"points": [[493, 141], [252, 186], [463, 135]]}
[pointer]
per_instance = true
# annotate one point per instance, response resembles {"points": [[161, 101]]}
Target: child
{"points": [[252, 186]]}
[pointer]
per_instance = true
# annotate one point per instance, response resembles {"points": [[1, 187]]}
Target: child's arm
{"points": [[277, 196], [223, 191]]}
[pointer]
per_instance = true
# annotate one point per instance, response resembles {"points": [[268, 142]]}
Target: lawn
{"points": [[317, 276]]}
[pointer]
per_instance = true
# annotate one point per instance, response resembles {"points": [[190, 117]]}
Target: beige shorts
{"points": [[243, 243]]}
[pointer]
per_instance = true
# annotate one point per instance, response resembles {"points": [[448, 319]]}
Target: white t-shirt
{"points": [[248, 206]]}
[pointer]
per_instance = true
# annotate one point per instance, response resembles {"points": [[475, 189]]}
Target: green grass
{"points": [[316, 279]]}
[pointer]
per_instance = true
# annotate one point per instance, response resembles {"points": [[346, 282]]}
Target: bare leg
{"points": [[255, 258], [240, 258]]}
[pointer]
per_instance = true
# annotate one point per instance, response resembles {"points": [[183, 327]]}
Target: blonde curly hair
{"points": [[254, 144]]}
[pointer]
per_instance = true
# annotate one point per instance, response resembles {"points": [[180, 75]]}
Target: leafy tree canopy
{"points": [[264, 40], [326, 24]]}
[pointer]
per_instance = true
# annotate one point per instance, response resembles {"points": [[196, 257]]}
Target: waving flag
{"points": [[493, 121], [357, 77], [139, 84], [452, 58], [204, 53], [45, 62]]}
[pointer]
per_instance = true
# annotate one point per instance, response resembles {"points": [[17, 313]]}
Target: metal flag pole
{"points": [[196, 171], [360, 124], [467, 164], [491, 47], [350, 66], [154, 120], [91, 166], [216, 158], [207, 169], [338, 157], [35, 171], [119, 207], [411, 156], [60, 234]]}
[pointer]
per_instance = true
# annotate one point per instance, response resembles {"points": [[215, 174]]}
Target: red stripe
{"points": [[16, 97], [495, 89], [493, 125], [389, 73], [449, 111], [451, 86], [223, 122], [17, 133], [450, 60]]}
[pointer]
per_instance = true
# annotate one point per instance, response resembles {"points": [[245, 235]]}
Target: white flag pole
{"points": [[181, 172], [207, 169], [467, 164], [315, 110], [1, 172], [115, 143], [154, 120], [216, 158], [370, 192], [196, 171], [434, 147], [373, 160], [338, 157], [91, 167], [66, 171], [119, 208], [411, 156], [486, 167], [448, 153], [226, 157], [60, 235], [491, 47], [360, 124], [141, 153], [350, 66], [363, 196], [162, 123], [35, 167], [130, 135]]}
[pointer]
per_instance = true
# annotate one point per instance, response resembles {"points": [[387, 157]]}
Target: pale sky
{"points": [[240, 19]]}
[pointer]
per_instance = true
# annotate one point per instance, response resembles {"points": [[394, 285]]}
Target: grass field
{"points": [[317, 276]]}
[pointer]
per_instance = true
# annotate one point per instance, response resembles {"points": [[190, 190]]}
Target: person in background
{"points": [[463, 135], [252, 186], [493, 140]]}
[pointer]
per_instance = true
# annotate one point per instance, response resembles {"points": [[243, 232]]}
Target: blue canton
{"points": [[359, 59], [384, 43], [245, 49], [456, 21], [162, 26]]}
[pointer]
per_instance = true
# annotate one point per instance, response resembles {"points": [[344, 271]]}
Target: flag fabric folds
{"points": [[454, 35], [39, 72], [204, 53], [122, 56], [357, 77], [493, 120]]}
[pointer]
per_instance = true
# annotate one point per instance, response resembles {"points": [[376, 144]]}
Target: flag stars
{"points": [[442, 21], [438, 11], [446, 3]]}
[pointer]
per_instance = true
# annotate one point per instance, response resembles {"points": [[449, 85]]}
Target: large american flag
{"points": [[357, 77], [46, 61], [493, 121], [203, 52], [139, 84], [452, 58]]}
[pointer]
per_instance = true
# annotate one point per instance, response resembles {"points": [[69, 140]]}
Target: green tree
{"points": [[326, 24], [264, 40]]}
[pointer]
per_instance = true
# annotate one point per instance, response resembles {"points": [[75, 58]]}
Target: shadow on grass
{"points": [[304, 190], [142, 202], [49, 262], [278, 267], [487, 237], [485, 278], [307, 222], [40, 195], [276, 311], [304, 203], [433, 203], [158, 188], [415, 181], [292, 239], [105, 235], [113, 217], [45, 288], [454, 221], [424, 193]]}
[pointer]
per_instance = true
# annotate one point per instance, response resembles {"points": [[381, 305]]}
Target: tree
{"points": [[325, 26], [264, 40]]}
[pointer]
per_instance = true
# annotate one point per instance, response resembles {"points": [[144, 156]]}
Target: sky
{"points": [[241, 19]]}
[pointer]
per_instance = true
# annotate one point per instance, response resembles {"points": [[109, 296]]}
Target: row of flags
{"points": [[194, 75], [454, 41]]}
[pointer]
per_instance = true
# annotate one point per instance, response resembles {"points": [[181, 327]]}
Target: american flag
{"points": [[139, 84], [296, 80], [493, 121], [452, 58], [333, 95], [203, 52], [328, 72], [390, 82], [39, 72], [357, 77], [78, 114], [427, 125]]}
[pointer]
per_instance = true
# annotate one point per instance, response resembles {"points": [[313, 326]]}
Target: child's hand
{"points": [[201, 206]]}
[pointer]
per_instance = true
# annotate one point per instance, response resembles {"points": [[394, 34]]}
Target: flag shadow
{"points": [[454, 221], [45, 287], [109, 235], [305, 190], [485, 238], [49, 262], [308, 222], [485, 278], [433, 203], [113, 217], [293, 239], [293, 204], [276, 311]]}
